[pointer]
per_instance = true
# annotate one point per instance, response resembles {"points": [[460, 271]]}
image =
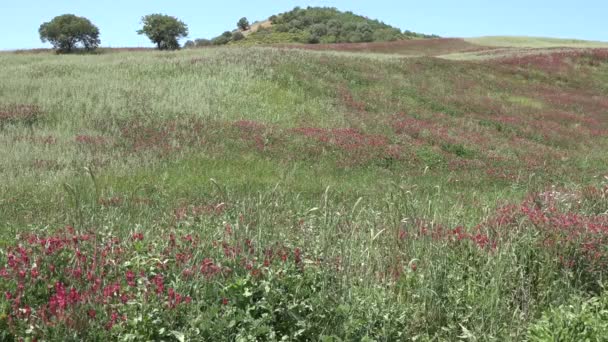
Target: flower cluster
{"points": [[75, 280], [562, 60], [573, 238], [27, 114]]}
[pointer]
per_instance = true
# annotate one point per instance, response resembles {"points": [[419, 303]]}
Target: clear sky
{"points": [[119, 19]]}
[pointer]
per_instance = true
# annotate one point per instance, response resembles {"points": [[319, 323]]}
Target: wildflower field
{"points": [[266, 194]]}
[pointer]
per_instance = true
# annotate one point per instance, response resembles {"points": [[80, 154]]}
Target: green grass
{"points": [[361, 161]]}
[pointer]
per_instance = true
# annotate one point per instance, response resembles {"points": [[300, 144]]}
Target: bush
{"points": [[202, 42], [236, 36], [223, 39], [67, 32]]}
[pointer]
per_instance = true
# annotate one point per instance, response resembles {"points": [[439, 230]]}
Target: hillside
{"points": [[534, 42], [314, 25], [377, 192]]}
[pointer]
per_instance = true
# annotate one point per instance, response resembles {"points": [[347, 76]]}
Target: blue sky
{"points": [[119, 19]]}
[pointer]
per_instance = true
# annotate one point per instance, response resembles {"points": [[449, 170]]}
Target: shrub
{"points": [[67, 32], [202, 42], [223, 39], [236, 36]]}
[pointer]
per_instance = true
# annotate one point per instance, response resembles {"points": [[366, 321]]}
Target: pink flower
{"points": [[130, 278], [159, 282]]}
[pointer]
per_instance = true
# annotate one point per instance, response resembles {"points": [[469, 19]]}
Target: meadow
{"points": [[275, 193]]}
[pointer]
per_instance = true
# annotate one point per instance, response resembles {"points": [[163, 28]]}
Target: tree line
{"points": [[312, 25], [68, 32]]}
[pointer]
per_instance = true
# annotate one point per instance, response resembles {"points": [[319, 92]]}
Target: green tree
{"points": [[164, 30], [67, 32], [243, 24]]}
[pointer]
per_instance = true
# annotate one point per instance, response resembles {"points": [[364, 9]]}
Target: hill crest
{"points": [[313, 25]]}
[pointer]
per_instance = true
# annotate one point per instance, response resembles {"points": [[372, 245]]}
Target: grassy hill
{"points": [[244, 193], [314, 25]]}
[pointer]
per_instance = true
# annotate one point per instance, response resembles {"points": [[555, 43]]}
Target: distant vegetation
{"points": [[312, 25]]}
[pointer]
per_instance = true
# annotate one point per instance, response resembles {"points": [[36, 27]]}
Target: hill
{"points": [[314, 25], [273, 193], [479, 49]]}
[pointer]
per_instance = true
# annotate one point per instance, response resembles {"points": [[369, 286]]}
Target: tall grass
{"points": [[401, 183]]}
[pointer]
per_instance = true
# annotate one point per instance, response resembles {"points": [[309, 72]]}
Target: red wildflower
{"points": [[159, 283], [34, 273], [130, 278]]}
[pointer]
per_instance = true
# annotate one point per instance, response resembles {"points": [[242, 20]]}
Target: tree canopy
{"points": [[164, 30], [243, 24], [329, 25], [68, 32]]}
